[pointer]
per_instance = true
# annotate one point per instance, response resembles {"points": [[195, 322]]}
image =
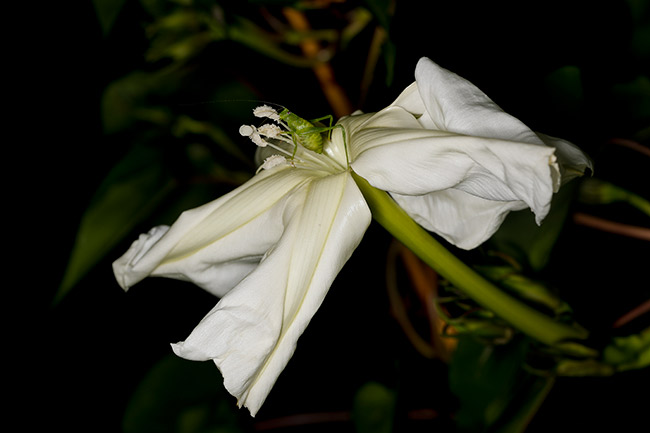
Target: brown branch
{"points": [[632, 314], [598, 223], [425, 282], [631, 144], [398, 309], [336, 97]]}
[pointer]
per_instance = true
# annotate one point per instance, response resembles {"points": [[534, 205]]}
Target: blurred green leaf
{"points": [[374, 409], [382, 10], [589, 367], [389, 51], [482, 329], [124, 102], [486, 380], [157, 8], [130, 193], [187, 125], [621, 354], [184, 33], [524, 287], [107, 12], [249, 34], [629, 352], [596, 191], [521, 238], [565, 91], [572, 348], [359, 18], [640, 12], [634, 98], [180, 50], [180, 396], [524, 407]]}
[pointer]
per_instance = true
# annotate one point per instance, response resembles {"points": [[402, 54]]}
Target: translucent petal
{"points": [[572, 161], [454, 104], [217, 244], [462, 219], [421, 161], [252, 332]]}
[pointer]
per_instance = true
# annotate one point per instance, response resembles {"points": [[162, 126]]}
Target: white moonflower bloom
{"points": [[271, 248], [454, 161]]}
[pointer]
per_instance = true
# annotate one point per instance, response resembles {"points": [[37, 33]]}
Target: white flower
{"points": [[272, 247], [454, 161]]}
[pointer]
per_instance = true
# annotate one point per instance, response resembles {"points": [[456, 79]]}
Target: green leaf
{"points": [[629, 352], [485, 380], [359, 18], [527, 288], [249, 34], [127, 100], [633, 97], [187, 125], [565, 91], [525, 405], [596, 191], [374, 409], [122, 98], [131, 191], [521, 238], [578, 368], [382, 10], [107, 12], [181, 396]]}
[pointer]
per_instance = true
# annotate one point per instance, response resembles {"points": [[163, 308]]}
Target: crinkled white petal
{"points": [[462, 219], [219, 243], [572, 161], [252, 332], [138, 249], [444, 140], [454, 104], [411, 160], [411, 101]]}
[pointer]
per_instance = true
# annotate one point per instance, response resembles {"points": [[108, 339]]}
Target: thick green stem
{"points": [[413, 236]]}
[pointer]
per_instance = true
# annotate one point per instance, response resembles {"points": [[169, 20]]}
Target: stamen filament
{"points": [[279, 149]]}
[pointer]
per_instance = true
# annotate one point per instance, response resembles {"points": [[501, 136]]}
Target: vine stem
{"points": [[521, 316]]}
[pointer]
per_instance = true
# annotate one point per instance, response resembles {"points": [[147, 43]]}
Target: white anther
{"points": [[246, 130], [270, 130], [266, 111], [251, 132], [272, 161]]}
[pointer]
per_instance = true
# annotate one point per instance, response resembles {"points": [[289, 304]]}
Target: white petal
{"points": [[252, 332], [572, 161], [411, 101], [420, 161], [462, 219], [123, 266], [454, 104], [218, 244], [390, 118]]}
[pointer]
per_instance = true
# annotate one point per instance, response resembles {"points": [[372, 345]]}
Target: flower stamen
{"points": [[266, 111], [272, 161], [256, 134]]}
